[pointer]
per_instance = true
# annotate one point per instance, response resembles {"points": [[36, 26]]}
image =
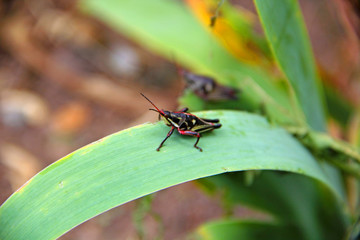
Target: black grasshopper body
{"points": [[185, 123]]}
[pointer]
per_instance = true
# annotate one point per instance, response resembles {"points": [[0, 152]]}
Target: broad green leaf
{"points": [[285, 30], [125, 166], [168, 28]]}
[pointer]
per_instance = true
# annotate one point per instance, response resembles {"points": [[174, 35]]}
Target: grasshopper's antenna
{"points": [[158, 110]]}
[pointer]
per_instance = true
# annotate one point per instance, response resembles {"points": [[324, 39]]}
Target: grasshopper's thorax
{"points": [[173, 118]]}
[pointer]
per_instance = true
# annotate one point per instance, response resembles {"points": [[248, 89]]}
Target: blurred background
{"points": [[66, 80]]}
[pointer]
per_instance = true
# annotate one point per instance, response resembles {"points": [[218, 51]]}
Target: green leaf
{"points": [[125, 166], [291, 200], [242, 229], [338, 107], [168, 28], [322, 146], [285, 30]]}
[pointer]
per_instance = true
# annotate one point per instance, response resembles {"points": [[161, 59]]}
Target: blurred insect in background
{"points": [[216, 14], [206, 87]]}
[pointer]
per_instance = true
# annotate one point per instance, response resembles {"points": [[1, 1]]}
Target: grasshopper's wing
{"points": [[210, 120], [202, 125]]}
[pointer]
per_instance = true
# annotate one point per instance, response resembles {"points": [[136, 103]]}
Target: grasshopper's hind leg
{"points": [[197, 141], [191, 133]]}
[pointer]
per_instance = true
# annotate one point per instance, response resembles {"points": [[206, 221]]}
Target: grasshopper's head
{"points": [[165, 114]]}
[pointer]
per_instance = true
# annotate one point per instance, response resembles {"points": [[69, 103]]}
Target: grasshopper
{"points": [[185, 123]]}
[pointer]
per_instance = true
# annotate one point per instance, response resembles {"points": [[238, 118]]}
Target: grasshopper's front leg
{"points": [[191, 133], [167, 136]]}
